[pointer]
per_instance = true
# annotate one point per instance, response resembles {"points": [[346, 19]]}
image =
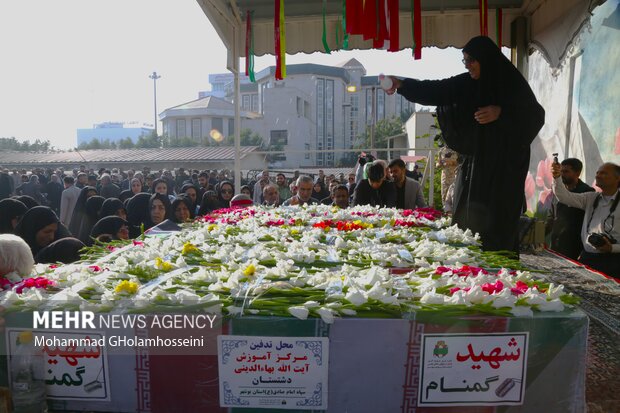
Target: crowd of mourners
{"points": [[58, 212]]}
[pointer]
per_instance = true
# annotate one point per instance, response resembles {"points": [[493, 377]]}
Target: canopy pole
{"points": [[233, 58]]}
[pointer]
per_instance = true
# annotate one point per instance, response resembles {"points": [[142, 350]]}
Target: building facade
{"points": [[113, 132], [314, 116]]}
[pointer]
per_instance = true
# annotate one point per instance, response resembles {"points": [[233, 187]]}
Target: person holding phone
{"points": [[600, 231]]}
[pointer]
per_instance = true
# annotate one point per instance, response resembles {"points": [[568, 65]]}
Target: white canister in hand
{"points": [[385, 82]]}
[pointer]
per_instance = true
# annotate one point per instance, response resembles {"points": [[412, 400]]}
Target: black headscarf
{"points": [[148, 223], [208, 203], [184, 189], [181, 199], [108, 225], [124, 195], [110, 207], [9, 210], [29, 201], [65, 250], [218, 190], [91, 216], [157, 181], [138, 208], [79, 211], [32, 222]]}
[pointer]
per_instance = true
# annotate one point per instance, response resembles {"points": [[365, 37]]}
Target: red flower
{"points": [[496, 287], [138, 243], [519, 288], [94, 268], [39, 282]]}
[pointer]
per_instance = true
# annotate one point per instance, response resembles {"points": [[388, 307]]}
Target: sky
{"points": [[69, 64]]}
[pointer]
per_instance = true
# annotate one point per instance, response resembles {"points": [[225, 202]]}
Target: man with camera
{"points": [[600, 232]]}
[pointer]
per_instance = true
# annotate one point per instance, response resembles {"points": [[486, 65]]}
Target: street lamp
{"points": [[154, 76]]}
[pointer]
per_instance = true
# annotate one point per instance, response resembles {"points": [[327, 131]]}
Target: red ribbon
{"points": [[417, 29], [483, 12], [499, 23], [276, 33], [394, 25], [369, 27], [355, 15]]}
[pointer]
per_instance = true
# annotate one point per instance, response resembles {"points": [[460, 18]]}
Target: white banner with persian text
{"points": [[273, 372], [473, 369], [76, 363]]}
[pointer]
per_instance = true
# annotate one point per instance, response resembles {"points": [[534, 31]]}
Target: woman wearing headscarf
{"points": [[91, 216], [182, 209], [209, 203], [65, 250], [191, 192], [79, 211], [115, 227], [135, 185], [113, 206], [489, 115], [318, 190], [11, 210], [39, 227], [137, 212], [225, 190], [125, 195], [26, 200], [159, 210]]}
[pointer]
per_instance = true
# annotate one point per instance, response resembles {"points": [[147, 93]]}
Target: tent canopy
{"points": [[552, 24]]}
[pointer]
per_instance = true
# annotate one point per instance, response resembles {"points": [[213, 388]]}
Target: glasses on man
{"points": [[468, 60]]}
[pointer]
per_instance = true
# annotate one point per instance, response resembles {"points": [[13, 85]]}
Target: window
{"points": [[279, 137], [369, 106], [380, 104], [255, 102], [181, 133], [245, 105], [399, 105], [196, 129], [300, 106], [307, 148], [231, 127], [218, 123]]}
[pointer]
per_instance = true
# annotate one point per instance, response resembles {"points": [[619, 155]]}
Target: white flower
{"points": [[299, 312], [356, 297], [326, 314], [433, 298]]}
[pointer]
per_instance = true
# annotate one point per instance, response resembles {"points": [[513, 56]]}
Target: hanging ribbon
{"points": [[280, 39], [325, 45], [382, 30], [499, 17], [355, 16], [393, 14], [416, 28], [483, 11], [249, 48], [345, 40], [369, 25]]}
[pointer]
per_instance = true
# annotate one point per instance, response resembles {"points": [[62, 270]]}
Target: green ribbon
{"points": [[325, 45]]}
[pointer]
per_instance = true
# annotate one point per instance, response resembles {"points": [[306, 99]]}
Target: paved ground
{"points": [[601, 301]]}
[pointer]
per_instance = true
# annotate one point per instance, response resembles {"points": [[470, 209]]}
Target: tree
{"points": [[126, 143], [248, 138], [149, 141], [12, 144], [384, 129]]}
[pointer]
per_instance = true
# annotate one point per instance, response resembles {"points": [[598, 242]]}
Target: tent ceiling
{"points": [[444, 23]]}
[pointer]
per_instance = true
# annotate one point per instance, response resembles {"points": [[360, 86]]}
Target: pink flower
{"points": [[496, 287], [94, 268], [544, 179], [138, 243], [519, 288]]}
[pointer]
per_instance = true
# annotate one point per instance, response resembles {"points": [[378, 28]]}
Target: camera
{"points": [[365, 158], [598, 240]]}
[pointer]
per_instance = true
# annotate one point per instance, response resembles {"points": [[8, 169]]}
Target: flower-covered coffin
{"points": [[315, 261]]}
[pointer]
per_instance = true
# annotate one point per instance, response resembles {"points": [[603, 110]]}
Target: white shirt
{"points": [[585, 201]]}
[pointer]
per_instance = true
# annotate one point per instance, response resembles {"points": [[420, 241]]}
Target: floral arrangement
{"points": [[313, 261]]}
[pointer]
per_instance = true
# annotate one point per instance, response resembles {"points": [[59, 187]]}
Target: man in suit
{"points": [[68, 199], [408, 191]]}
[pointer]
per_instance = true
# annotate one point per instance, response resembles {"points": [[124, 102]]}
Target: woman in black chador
{"points": [[490, 116]]}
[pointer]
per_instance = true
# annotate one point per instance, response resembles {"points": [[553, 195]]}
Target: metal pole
{"points": [[154, 76], [372, 123]]}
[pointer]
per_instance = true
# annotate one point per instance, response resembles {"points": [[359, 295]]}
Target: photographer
{"points": [[600, 232], [362, 160]]}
